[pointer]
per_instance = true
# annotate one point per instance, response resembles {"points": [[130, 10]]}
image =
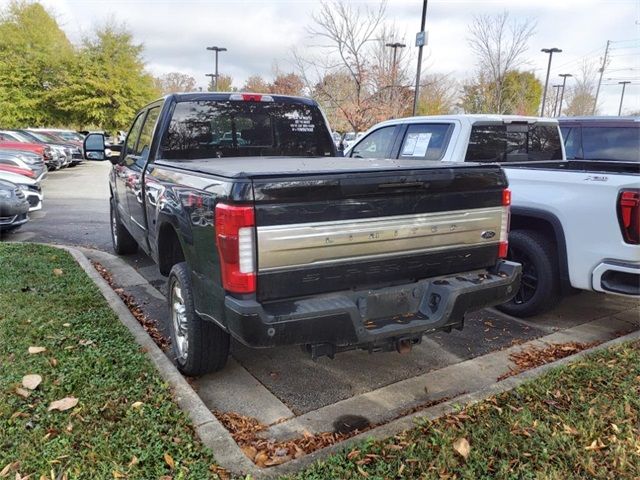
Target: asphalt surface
{"points": [[76, 212]]}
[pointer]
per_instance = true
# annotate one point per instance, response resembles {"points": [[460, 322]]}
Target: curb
{"points": [[227, 452], [207, 427]]}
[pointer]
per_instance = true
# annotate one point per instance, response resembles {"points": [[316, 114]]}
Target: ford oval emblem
{"points": [[488, 234]]}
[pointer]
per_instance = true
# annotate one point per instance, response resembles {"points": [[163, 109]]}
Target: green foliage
{"points": [[110, 83], [45, 80], [520, 93], [34, 55]]}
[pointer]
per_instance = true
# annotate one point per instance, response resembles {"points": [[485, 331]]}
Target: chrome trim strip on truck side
{"points": [[294, 245]]}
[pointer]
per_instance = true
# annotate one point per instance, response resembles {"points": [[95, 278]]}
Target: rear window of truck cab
{"points": [[514, 142], [217, 129]]}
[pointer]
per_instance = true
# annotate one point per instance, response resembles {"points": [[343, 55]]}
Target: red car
{"points": [[43, 150]]}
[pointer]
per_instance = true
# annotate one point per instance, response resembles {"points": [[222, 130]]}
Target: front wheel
{"points": [[540, 285], [199, 346], [123, 242]]}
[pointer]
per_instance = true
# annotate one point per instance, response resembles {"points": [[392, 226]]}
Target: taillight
{"points": [[503, 246], [235, 232], [629, 215]]}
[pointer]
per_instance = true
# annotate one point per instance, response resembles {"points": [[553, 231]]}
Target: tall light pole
{"points": [[624, 85], [394, 67], [550, 51], [217, 50], [421, 39], [555, 103], [564, 84]]}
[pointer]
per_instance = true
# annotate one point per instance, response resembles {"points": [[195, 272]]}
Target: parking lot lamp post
{"points": [[564, 83], [217, 50], [550, 51], [624, 85], [422, 36]]}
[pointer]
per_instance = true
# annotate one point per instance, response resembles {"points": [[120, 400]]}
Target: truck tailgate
{"points": [[328, 232]]}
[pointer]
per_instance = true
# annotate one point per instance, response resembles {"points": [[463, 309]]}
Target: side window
{"points": [[146, 134], [611, 143], [572, 142], [426, 141], [375, 145], [134, 134], [487, 143]]}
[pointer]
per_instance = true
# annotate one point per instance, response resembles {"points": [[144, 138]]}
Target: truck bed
{"points": [[585, 166]]}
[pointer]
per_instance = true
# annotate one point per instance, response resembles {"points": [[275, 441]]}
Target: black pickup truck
{"points": [[267, 236]]}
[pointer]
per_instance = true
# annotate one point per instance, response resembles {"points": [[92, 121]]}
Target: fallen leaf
{"points": [[22, 392], [5, 471], [32, 381], [169, 459], [134, 461], [63, 404], [250, 451], [34, 350], [57, 272], [462, 447], [53, 362], [117, 474], [277, 461], [66, 324], [362, 472], [260, 459], [136, 404]]}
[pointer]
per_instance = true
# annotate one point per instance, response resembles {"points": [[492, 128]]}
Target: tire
{"points": [[199, 346], [540, 286], [123, 242]]}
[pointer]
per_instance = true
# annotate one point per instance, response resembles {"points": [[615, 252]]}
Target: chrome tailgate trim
{"points": [[304, 244]]}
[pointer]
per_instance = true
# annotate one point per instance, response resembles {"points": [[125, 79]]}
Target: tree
{"points": [[287, 84], [175, 82], [35, 55], [581, 96], [256, 84], [224, 84], [499, 45], [521, 93], [438, 94], [341, 77], [111, 84]]}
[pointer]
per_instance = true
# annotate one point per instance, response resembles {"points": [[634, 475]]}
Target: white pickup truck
{"points": [[574, 224]]}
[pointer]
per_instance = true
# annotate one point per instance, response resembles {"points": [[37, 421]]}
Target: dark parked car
{"points": [[14, 206], [601, 138], [273, 240]]}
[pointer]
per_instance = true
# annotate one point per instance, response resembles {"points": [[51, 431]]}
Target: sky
{"points": [[260, 35]]}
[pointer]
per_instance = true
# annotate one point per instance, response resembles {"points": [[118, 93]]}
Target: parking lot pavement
{"points": [[282, 382]]}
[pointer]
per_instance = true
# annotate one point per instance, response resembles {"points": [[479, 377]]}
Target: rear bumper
{"points": [[372, 318], [619, 278]]}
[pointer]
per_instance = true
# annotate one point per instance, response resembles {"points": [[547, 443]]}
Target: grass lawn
{"points": [[89, 356], [581, 421]]}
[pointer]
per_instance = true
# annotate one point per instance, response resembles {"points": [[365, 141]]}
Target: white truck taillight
{"points": [[235, 234], [503, 246]]}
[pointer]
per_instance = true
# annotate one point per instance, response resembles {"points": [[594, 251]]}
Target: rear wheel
{"points": [[540, 285], [123, 242], [199, 346]]}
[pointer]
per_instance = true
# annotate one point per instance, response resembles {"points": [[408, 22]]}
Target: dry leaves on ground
{"points": [[57, 272], [268, 452], [534, 356], [36, 350], [63, 404], [31, 382], [149, 325]]}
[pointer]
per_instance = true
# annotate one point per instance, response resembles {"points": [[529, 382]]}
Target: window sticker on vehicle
{"points": [[416, 144], [300, 122]]}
